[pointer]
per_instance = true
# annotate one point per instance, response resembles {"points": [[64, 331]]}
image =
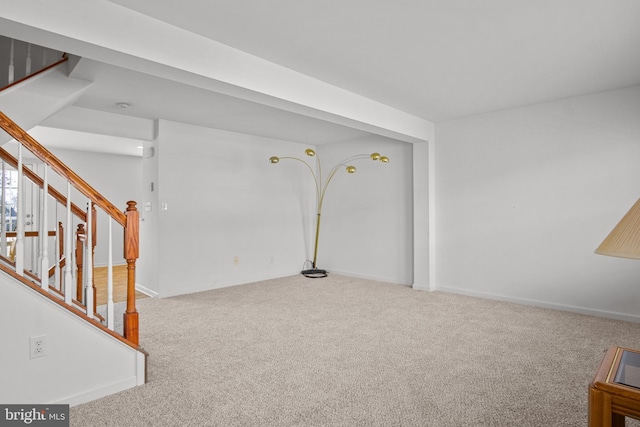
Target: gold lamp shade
{"points": [[624, 239]]}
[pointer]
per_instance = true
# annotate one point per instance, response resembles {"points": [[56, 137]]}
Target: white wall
{"points": [[224, 200], [82, 364], [367, 217], [524, 196]]}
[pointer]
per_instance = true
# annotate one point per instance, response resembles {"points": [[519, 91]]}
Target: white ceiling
{"points": [[437, 60]]}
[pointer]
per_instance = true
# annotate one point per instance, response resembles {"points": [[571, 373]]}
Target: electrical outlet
{"points": [[38, 346]]}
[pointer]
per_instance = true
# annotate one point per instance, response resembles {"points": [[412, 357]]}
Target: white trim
{"points": [[367, 277], [536, 303], [141, 368], [432, 214], [146, 291], [106, 264], [101, 391]]}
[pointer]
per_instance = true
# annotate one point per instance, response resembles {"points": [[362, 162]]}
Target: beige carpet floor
{"points": [[341, 351]]}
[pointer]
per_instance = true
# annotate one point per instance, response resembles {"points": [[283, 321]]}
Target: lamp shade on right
{"points": [[624, 240]]}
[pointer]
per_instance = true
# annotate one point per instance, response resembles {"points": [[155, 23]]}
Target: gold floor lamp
{"points": [[321, 189]]}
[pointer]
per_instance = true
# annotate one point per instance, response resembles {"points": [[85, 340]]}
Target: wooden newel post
{"points": [[131, 253]]}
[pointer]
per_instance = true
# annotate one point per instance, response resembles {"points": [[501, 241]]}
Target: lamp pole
{"points": [[321, 189]]}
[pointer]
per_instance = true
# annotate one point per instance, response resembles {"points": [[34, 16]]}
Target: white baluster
{"points": [[37, 263], [88, 264], [57, 279], [11, 66], [74, 269], [3, 220], [20, 218], [34, 194], [28, 64], [68, 277], [110, 309], [44, 234]]}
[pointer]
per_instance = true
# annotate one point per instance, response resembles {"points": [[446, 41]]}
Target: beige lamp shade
{"points": [[624, 239]]}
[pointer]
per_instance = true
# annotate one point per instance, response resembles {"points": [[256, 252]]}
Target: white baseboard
{"points": [[146, 291], [104, 264], [364, 276], [536, 303], [98, 392]]}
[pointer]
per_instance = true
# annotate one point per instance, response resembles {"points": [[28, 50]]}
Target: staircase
{"points": [[35, 83], [58, 348]]}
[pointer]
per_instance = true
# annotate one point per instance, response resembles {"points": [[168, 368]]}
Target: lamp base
{"points": [[314, 273]]}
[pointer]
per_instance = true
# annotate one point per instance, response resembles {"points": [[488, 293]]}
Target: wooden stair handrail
{"points": [[63, 170], [13, 162]]}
